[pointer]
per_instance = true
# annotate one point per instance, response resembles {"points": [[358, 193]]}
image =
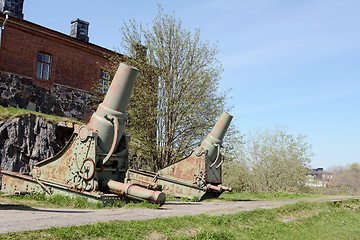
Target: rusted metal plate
{"points": [[14, 183], [189, 170], [198, 175], [73, 166]]}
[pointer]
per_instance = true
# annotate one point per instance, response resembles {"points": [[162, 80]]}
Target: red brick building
{"points": [[47, 56]]}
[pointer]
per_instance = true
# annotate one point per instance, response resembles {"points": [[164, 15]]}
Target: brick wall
{"points": [[74, 63]]}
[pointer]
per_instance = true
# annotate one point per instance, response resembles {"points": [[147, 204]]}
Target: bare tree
{"points": [[346, 178], [180, 100]]}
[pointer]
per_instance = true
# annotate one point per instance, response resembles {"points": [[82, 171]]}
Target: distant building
{"points": [[320, 174], [318, 177]]}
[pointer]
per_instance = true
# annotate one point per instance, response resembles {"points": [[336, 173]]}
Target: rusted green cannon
{"points": [[198, 175], [95, 160]]}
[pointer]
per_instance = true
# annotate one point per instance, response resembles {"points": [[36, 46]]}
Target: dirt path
{"points": [[14, 218]]}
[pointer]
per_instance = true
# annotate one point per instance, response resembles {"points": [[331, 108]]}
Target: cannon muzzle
{"points": [[213, 140], [109, 119]]}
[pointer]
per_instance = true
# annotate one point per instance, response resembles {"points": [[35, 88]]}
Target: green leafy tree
{"points": [[270, 160], [178, 99]]}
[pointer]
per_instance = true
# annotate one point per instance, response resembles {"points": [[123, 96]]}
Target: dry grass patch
{"points": [[156, 236], [190, 232], [298, 215]]}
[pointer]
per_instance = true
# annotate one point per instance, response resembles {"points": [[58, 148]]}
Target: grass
{"points": [[182, 199], [10, 112], [243, 196], [61, 201], [308, 220], [247, 196]]}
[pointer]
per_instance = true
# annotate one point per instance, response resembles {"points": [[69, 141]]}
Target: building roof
{"points": [[36, 28]]}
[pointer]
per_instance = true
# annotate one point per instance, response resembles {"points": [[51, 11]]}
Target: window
{"points": [[43, 66], [104, 82]]}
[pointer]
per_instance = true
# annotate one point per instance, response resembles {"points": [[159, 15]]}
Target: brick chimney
{"points": [[14, 6], [79, 29]]}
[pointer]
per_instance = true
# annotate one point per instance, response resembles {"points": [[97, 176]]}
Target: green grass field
{"points": [[303, 220]]}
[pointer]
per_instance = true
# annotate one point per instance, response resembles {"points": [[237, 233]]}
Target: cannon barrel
{"points": [[213, 140], [109, 119], [136, 192]]}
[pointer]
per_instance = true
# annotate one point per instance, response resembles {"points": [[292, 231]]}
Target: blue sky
{"points": [[294, 63]]}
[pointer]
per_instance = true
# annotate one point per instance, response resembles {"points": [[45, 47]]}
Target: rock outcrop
{"points": [[27, 139]]}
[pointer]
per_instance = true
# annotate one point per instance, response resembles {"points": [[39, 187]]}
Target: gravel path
{"points": [[15, 218]]}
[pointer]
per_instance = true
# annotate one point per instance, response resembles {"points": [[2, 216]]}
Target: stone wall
{"points": [[20, 92]]}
